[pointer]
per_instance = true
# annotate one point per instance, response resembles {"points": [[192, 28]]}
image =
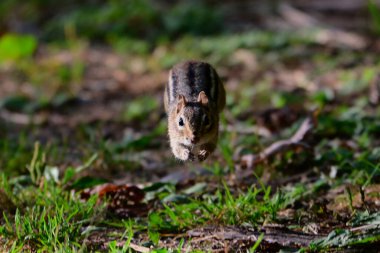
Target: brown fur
{"points": [[198, 136]]}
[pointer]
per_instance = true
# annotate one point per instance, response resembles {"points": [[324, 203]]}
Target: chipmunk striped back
{"points": [[190, 78], [193, 98]]}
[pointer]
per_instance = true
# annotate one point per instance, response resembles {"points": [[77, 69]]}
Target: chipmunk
{"points": [[194, 97]]}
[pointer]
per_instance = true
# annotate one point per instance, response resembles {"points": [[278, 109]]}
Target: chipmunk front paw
{"points": [[184, 154], [203, 154], [187, 155]]}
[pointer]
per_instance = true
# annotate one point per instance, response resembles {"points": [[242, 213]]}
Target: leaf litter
{"points": [[328, 201]]}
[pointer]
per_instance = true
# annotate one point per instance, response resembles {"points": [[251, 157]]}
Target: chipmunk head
{"points": [[193, 120]]}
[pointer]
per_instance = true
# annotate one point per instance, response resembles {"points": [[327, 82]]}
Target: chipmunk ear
{"points": [[181, 102], [202, 98]]}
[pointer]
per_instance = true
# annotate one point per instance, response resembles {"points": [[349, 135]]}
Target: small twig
{"points": [[20, 118], [139, 248], [366, 227], [294, 142], [135, 247], [277, 235], [204, 238]]}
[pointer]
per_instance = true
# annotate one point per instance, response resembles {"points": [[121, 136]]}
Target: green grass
{"points": [[43, 184], [253, 206], [51, 218], [48, 216]]}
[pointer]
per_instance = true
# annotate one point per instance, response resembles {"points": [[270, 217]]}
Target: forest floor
{"points": [[86, 165]]}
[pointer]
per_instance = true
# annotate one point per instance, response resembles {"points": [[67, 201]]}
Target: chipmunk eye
{"points": [[180, 122]]}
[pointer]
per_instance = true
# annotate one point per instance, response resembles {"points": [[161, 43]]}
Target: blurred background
{"points": [[87, 76]]}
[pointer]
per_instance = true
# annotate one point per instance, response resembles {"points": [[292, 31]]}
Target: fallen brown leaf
{"points": [[122, 200]]}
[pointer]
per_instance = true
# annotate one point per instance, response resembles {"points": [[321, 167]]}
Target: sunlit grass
{"points": [[44, 190]]}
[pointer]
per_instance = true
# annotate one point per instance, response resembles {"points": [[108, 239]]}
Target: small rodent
{"points": [[194, 97]]}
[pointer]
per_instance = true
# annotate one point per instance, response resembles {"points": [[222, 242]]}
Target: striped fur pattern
{"points": [[190, 78], [193, 98]]}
